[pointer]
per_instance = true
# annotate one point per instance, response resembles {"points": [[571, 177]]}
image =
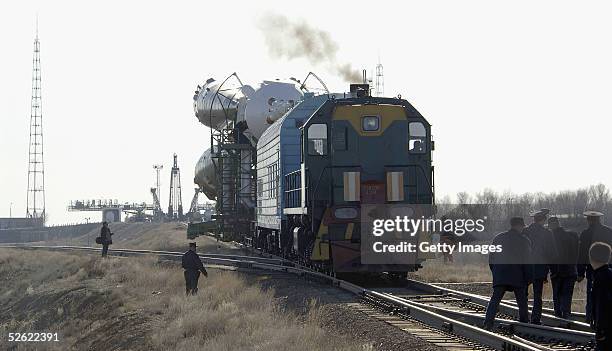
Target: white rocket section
{"points": [[263, 104], [258, 107], [205, 175]]}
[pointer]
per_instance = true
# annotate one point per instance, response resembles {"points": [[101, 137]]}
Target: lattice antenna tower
{"points": [[36, 165]]}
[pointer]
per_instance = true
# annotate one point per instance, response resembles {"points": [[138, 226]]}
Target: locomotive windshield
{"points": [[416, 142], [317, 139]]}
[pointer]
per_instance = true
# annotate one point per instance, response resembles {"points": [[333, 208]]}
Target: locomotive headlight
{"points": [[370, 123], [345, 213]]}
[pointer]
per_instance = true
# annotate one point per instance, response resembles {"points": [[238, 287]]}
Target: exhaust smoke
{"points": [[291, 40]]}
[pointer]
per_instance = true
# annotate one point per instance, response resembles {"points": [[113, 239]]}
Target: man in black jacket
{"points": [[595, 232], [599, 256], [511, 270], [543, 254], [105, 234], [192, 264], [564, 271]]}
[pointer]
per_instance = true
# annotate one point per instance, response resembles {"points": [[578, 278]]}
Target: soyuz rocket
{"points": [[251, 109]]}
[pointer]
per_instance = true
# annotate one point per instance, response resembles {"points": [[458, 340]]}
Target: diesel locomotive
{"points": [[327, 158], [292, 172]]}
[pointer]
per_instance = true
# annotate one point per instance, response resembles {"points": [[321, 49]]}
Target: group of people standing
{"points": [[532, 254]]}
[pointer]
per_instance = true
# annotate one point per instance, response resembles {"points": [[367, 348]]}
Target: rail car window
{"points": [[317, 139], [417, 142], [273, 180]]}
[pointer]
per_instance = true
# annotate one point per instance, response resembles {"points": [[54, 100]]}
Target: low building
{"points": [[20, 222]]}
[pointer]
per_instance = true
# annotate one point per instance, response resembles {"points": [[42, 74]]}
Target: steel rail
{"points": [[537, 331], [207, 256], [482, 336], [574, 316], [504, 307]]}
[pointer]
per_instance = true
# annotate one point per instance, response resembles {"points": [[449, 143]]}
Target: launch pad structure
{"points": [[143, 212], [175, 200]]}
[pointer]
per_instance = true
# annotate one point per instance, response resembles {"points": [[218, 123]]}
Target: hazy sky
{"points": [[518, 92]]}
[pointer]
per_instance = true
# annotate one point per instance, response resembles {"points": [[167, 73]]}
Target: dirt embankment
{"points": [[139, 304]]}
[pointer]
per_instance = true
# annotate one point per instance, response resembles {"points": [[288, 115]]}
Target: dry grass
{"points": [[436, 272], [228, 313], [38, 292]]}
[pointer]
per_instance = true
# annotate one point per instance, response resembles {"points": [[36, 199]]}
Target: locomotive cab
{"points": [[353, 153], [361, 152]]}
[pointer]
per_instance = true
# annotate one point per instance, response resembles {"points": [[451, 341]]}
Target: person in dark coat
{"points": [[106, 235], [543, 254], [595, 232], [599, 256], [511, 270], [192, 264], [564, 271]]}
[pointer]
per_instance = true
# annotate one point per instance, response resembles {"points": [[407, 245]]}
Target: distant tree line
{"points": [[498, 207]]}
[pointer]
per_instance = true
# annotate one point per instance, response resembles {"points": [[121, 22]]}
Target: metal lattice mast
{"points": [[175, 203], [36, 166]]}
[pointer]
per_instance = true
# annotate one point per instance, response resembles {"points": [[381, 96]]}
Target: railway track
{"points": [[545, 337], [442, 316], [506, 308]]}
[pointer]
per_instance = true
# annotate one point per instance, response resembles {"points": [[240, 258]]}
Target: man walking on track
{"points": [[105, 238], [543, 254], [511, 271], [192, 264]]}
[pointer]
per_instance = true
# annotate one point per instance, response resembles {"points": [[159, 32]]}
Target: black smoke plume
{"points": [[291, 40]]}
